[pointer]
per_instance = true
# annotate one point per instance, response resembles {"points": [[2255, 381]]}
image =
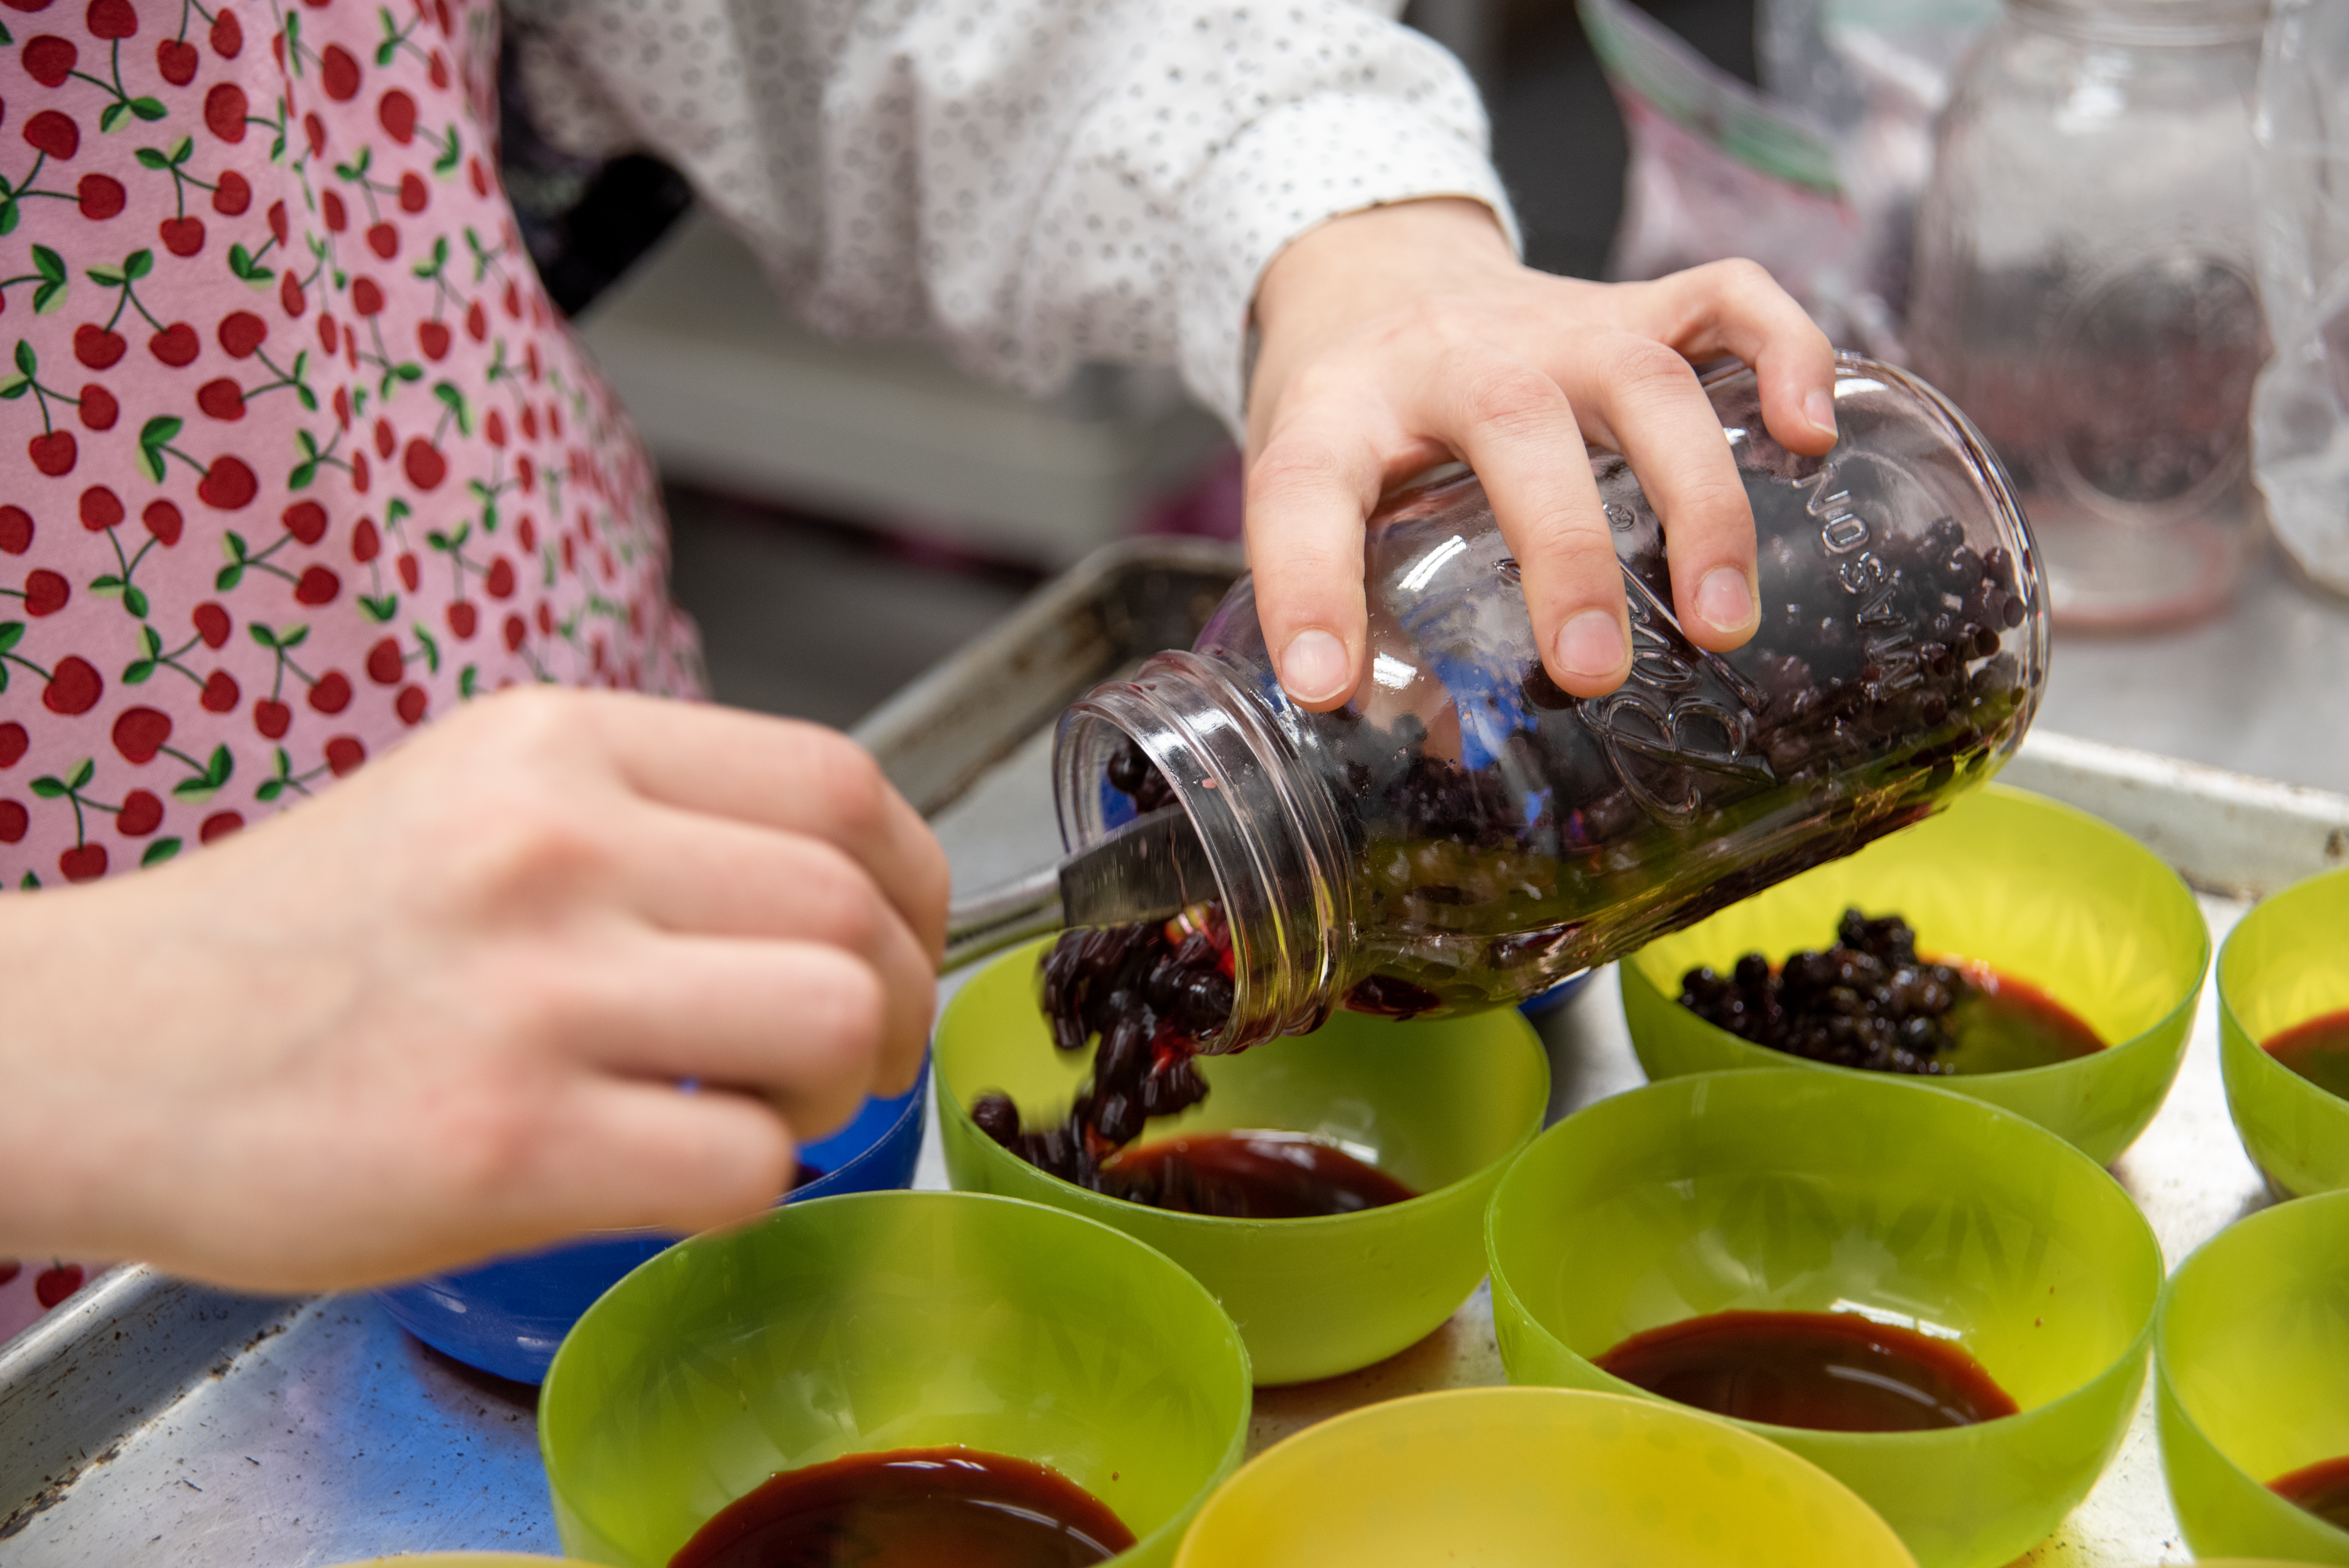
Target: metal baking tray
{"points": [[147, 1420]]}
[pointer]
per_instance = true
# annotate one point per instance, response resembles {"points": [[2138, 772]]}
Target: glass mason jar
{"points": [[1464, 834], [2083, 287]]}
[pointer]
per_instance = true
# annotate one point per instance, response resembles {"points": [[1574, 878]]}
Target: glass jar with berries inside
{"points": [[1464, 834]]}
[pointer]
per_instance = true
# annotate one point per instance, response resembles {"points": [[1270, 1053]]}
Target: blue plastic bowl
{"points": [[507, 1315]]}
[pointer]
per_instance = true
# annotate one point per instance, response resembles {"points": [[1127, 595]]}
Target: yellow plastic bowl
{"points": [[2036, 890], [1443, 1104], [2285, 962], [1499, 1478], [2252, 1352], [470, 1560]]}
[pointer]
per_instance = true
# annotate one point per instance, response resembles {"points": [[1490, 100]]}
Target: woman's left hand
{"points": [[1399, 337]]}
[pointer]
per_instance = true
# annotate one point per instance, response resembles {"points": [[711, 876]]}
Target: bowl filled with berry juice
{"points": [[2252, 1352], [1939, 1303], [2283, 1035], [924, 1377], [2011, 949], [1327, 1187]]}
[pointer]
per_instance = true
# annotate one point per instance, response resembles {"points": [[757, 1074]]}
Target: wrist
{"points": [[1375, 259]]}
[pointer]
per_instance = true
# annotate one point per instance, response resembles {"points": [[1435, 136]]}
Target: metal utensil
{"points": [[1150, 869]]}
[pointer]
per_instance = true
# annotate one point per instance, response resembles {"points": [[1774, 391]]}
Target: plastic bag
{"points": [[2300, 411]]}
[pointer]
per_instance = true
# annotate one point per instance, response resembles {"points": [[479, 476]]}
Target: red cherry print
{"points": [[224, 111], [212, 624], [570, 558], [228, 34], [410, 573], [175, 345], [555, 421], [501, 580], [477, 322], [345, 754], [524, 469], [317, 585], [441, 14], [232, 195], [332, 694], [516, 629], [409, 705], [530, 421], [220, 693], [97, 347], [513, 301], [52, 1286], [98, 409], [73, 687], [438, 71], [329, 334], [383, 240], [54, 453], [111, 19], [15, 531], [358, 468], [139, 733], [182, 236], [313, 130], [101, 509], [221, 398], [529, 359], [219, 825], [330, 207], [366, 544], [423, 463], [87, 863], [227, 485], [101, 196], [140, 815], [273, 718], [163, 521], [338, 73], [493, 428], [414, 194], [53, 133], [385, 440], [277, 221], [341, 404], [46, 593], [48, 59], [367, 296], [290, 297], [432, 337], [527, 530], [545, 618], [306, 521], [396, 114], [177, 59], [241, 332], [9, 1268], [13, 822], [478, 176], [383, 662], [463, 619], [12, 743]]}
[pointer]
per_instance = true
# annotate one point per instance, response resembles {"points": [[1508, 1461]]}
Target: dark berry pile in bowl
{"points": [[1867, 1002]]}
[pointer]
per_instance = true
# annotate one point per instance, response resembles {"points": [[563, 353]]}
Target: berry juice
{"points": [[1870, 1002], [1249, 1176], [1827, 1371], [2318, 1050], [2322, 1488], [912, 1508]]}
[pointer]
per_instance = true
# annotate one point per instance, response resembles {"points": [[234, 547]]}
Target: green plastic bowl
{"points": [[1443, 1105], [2036, 890], [890, 1320], [2253, 1353], [1808, 1191], [1507, 1476], [2285, 962]]}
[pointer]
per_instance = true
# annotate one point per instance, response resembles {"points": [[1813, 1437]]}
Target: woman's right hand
{"points": [[443, 1010]]}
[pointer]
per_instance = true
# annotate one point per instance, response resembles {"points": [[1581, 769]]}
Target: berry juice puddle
{"points": [[1827, 1371], [1870, 1002], [2322, 1488], [912, 1508], [2317, 1050]]}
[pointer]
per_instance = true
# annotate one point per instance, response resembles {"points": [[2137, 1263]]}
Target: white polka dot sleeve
{"points": [[1037, 183]]}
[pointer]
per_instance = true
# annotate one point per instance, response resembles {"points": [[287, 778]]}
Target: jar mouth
{"points": [[2157, 23]]}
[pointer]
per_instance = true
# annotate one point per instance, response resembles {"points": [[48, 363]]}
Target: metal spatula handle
{"points": [[1150, 869]]}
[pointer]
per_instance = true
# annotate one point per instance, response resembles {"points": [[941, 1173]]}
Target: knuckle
{"points": [[850, 784], [845, 1009], [1646, 372], [1293, 468], [522, 849], [1508, 398]]}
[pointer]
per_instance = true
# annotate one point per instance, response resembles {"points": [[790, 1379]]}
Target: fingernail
{"points": [[1590, 645], [1724, 600], [1314, 666], [1818, 407]]}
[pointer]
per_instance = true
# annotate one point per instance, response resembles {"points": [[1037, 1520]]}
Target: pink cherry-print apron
{"points": [[294, 452]]}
